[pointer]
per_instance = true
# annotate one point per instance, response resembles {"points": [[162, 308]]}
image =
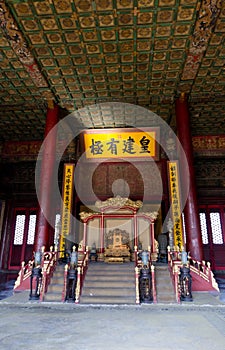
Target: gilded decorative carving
{"points": [[54, 38], [118, 202], [14, 37], [125, 34], [125, 19], [106, 20], [152, 215], [90, 36], [108, 34], [67, 23], [145, 3], [144, 32], [185, 14], [103, 5], [59, 50], [49, 24], [23, 9], [43, 8], [109, 47], [165, 16], [205, 24], [121, 4], [83, 5], [36, 38], [144, 17], [87, 22], [72, 37], [85, 215], [62, 6], [30, 25], [167, 2]]}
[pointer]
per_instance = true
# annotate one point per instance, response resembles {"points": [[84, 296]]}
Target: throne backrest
{"points": [[117, 238]]}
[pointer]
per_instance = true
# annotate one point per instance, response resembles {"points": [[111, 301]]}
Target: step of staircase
{"points": [[55, 288], [109, 284], [164, 286]]}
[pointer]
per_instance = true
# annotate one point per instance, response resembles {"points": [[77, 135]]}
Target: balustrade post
{"points": [[153, 284], [176, 283], [64, 292], [137, 285], [77, 293]]}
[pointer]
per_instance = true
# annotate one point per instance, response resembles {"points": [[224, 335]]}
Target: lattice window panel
{"points": [[19, 229], [184, 228], [203, 224], [57, 228], [217, 235], [31, 229]]}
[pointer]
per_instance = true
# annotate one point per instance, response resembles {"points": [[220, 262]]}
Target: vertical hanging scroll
{"points": [[67, 198], [174, 185]]}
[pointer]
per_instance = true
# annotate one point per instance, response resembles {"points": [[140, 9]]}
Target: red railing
{"points": [[23, 279], [202, 275], [81, 271], [48, 265]]}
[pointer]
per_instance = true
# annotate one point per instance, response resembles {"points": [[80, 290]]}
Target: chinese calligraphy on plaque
{"points": [[175, 203], [67, 196], [121, 144]]}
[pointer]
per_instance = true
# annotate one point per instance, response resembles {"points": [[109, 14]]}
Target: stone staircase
{"points": [[54, 293], [164, 286], [109, 284]]}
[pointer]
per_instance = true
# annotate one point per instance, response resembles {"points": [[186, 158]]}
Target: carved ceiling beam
{"points": [[204, 27], [18, 44]]}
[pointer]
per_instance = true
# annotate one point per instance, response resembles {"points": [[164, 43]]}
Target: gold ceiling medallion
{"points": [[127, 46], [165, 16], [125, 34], [127, 58], [143, 45], [87, 22], [54, 38], [104, 5], [84, 5], [49, 24], [144, 32], [145, 17], [59, 50], [107, 20], [76, 49], [62, 6], [125, 4], [167, 2], [163, 31], [36, 38], [185, 14], [72, 37], [92, 48], [42, 8], [125, 19], [67, 23], [23, 9], [109, 47], [108, 35], [30, 25], [145, 3], [90, 36], [42, 51]]}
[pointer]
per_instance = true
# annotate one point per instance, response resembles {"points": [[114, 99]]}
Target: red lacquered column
{"points": [[46, 185], [192, 221]]}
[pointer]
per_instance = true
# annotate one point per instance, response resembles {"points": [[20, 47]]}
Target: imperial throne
{"points": [[117, 243]]}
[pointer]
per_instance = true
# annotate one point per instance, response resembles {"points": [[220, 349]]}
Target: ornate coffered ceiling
{"points": [[82, 52]]}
